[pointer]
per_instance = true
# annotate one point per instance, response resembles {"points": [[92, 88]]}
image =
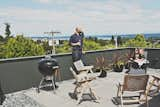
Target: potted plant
{"points": [[128, 56], [102, 66], [118, 63]]}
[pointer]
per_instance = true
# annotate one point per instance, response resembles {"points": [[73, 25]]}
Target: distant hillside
{"points": [[151, 35]]}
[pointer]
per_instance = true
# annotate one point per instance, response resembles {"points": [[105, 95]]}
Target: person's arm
{"points": [[76, 44], [71, 42]]}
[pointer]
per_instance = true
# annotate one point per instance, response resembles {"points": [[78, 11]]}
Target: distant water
{"points": [[104, 37]]}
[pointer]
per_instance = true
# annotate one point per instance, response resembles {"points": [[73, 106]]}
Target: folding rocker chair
{"points": [[81, 67], [134, 84], [82, 85]]}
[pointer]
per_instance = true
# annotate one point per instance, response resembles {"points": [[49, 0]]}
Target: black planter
{"points": [[118, 68], [102, 74], [127, 65]]}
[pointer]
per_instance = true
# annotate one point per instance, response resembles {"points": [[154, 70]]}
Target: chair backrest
{"points": [[79, 65], [135, 82], [74, 73]]}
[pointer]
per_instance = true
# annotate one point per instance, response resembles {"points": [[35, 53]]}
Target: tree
{"points": [[138, 41], [112, 40], [47, 48], [7, 30], [1, 38], [102, 42], [119, 40], [1, 46], [1, 50], [91, 45], [21, 46], [64, 48], [157, 45], [88, 44]]}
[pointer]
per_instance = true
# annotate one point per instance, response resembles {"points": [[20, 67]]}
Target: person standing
{"points": [[76, 41]]}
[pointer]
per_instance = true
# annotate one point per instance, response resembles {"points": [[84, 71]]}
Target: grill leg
{"points": [[38, 89]]}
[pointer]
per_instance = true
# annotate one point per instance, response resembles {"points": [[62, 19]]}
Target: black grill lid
{"points": [[47, 66]]}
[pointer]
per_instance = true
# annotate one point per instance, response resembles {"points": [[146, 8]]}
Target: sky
{"points": [[34, 17]]}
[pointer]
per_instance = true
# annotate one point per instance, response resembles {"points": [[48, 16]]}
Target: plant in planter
{"points": [[118, 63], [102, 66], [128, 56]]}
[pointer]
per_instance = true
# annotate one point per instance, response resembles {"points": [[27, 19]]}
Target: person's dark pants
{"points": [[76, 55], [2, 96]]}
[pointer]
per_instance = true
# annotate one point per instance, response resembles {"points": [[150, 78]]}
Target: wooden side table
{"points": [[58, 74]]}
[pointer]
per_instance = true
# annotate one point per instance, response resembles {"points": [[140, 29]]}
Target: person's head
{"points": [[141, 51], [136, 51], [78, 29], [136, 56]]}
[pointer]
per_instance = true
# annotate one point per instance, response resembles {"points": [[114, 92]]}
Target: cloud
{"points": [[65, 2], [43, 1], [102, 17]]}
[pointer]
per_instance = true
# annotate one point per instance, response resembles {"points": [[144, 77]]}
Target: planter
{"points": [[118, 68], [103, 74], [127, 66]]}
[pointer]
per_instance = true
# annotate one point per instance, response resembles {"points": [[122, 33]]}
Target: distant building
{"points": [[56, 41]]}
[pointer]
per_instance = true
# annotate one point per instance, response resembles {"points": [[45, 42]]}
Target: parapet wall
{"points": [[22, 73]]}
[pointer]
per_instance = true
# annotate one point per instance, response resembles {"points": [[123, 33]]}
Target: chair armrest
{"points": [[119, 85], [86, 68], [155, 77]]}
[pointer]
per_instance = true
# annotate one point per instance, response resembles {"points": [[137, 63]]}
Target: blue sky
{"points": [[33, 17]]}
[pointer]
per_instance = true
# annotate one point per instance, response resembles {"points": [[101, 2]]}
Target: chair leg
{"points": [[91, 91], [121, 99], [82, 88], [76, 92], [93, 94], [118, 91], [146, 99], [151, 84], [121, 95], [79, 95]]}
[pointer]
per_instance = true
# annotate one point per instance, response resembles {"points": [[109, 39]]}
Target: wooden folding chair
{"points": [[136, 84], [82, 85]]}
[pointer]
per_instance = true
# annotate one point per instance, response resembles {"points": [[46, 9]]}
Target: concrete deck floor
{"points": [[105, 88]]}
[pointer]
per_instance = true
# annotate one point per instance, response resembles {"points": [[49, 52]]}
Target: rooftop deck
{"points": [[105, 88]]}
